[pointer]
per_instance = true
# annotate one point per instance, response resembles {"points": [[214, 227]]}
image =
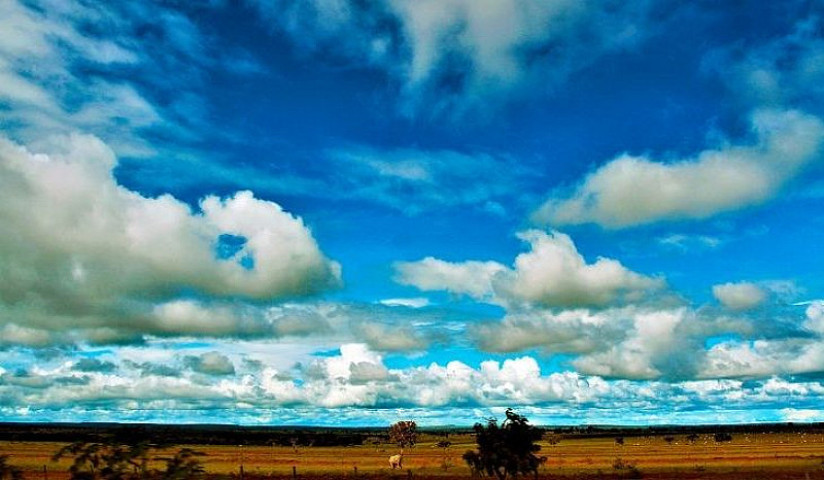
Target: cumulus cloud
{"points": [[635, 342], [739, 296], [634, 190], [465, 278], [333, 386], [467, 53], [211, 363], [81, 251], [390, 338], [799, 353], [552, 274]]}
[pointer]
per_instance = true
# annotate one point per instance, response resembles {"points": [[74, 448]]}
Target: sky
{"points": [[351, 213]]}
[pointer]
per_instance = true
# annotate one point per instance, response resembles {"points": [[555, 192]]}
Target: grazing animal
{"points": [[396, 461]]}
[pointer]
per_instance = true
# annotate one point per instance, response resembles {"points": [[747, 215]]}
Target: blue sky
{"points": [[349, 213]]}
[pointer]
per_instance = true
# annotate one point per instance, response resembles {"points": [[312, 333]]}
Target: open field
{"points": [[771, 456]]}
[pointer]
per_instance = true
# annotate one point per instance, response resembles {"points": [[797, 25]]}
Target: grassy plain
{"points": [[748, 456]]}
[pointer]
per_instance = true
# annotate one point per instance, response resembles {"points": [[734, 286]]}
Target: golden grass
{"points": [[772, 456]]}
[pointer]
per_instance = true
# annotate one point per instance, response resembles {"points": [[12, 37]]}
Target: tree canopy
{"points": [[404, 433], [506, 449]]}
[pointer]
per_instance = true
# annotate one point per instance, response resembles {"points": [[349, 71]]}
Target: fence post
{"points": [[356, 470], [409, 474], [294, 472], [45, 473], [241, 471]]}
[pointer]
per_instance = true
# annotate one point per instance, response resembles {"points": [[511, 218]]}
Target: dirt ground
{"points": [[752, 456]]}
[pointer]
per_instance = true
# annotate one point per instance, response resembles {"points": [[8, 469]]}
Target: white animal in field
{"points": [[396, 461]]}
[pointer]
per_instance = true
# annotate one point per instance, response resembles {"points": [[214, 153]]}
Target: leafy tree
{"points": [[184, 465], [506, 449], [404, 433], [116, 461], [723, 437], [9, 472]]}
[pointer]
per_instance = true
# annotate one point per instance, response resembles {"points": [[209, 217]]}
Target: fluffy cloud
{"points": [[553, 273], [82, 252], [464, 278], [801, 353], [211, 363], [567, 331], [739, 296], [357, 377], [467, 52], [633, 190]]}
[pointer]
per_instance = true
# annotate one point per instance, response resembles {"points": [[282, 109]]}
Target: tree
{"points": [[117, 461], [9, 472], [444, 446], [184, 465], [404, 433], [508, 449]]}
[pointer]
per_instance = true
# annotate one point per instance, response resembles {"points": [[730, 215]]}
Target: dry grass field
{"points": [[751, 456]]}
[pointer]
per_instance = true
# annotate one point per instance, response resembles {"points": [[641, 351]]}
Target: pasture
{"points": [[773, 456]]}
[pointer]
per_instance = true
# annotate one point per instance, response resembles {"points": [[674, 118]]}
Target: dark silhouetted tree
{"points": [[506, 449]]}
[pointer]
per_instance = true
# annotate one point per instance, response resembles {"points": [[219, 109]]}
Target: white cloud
{"points": [[390, 338], [632, 190], [80, 251], [552, 273], [417, 302], [815, 317], [566, 331], [654, 337], [739, 296], [466, 278]]}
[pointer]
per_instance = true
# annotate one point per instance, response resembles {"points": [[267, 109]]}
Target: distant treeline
{"points": [[592, 431], [328, 437]]}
